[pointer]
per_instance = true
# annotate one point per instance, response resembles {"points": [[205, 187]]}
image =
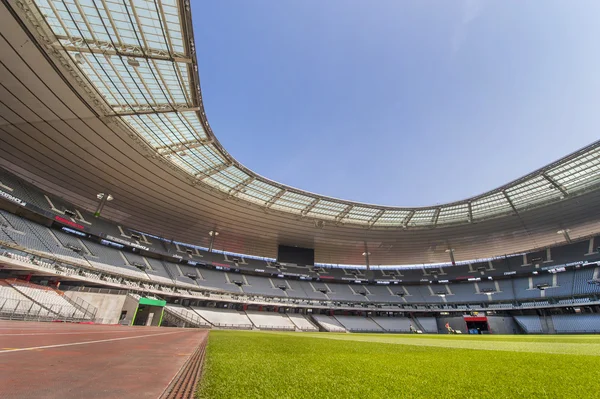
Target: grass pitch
{"points": [[246, 364]]}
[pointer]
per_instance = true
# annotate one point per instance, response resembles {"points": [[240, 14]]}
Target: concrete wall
{"points": [[497, 324], [130, 306], [456, 322], [109, 306], [503, 325]]}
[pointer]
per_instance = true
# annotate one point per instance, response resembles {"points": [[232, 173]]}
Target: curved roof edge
{"points": [[150, 83]]}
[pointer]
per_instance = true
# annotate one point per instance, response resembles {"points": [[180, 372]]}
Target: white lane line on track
{"points": [[67, 333], [85, 343]]}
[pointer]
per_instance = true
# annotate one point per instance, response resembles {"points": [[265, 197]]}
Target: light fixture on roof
{"points": [[133, 62], [103, 198], [450, 251], [101, 195], [213, 234], [565, 233], [79, 58]]}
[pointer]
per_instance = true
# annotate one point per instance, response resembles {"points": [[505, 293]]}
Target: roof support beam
{"points": [[241, 186], [510, 202], [178, 147], [275, 198], [125, 110], [470, 211], [310, 206], [376, 217], [436, 216], [209, 172], [79, 45], [407, 219], [342, 214], [555, 184]]}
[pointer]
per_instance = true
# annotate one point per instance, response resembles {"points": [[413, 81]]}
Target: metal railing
{"points": [[234, 326], [38, 296], [186, 317], [16, 309], [276, 328]]}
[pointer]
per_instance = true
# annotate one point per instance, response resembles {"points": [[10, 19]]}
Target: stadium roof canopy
{"points": [[133, 64]]}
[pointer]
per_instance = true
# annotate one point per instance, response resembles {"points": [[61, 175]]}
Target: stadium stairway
{"points": [[180, 316], [547, 324], [416, 323]]}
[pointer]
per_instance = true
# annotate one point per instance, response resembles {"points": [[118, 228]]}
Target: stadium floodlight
{"points": [[133, 62], [78, 58], [213, 235], [103, 198], [565, 233]]}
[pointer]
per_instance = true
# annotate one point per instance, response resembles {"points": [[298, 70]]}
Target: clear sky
{"points": [[399, 102]]}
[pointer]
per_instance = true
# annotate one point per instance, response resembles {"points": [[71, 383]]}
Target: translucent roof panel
{"points": [[197, 159], [453, 214], [326, 210], [360, 214], [148, 25], [227, 179], [292, 201], [578, 173], [533, 191], [422, 217], [146, 82], [492, 204], [166, 129], [259, 192], [393, 218]]}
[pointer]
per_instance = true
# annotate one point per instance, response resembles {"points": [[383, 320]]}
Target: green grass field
{"points": [[246, 364]]}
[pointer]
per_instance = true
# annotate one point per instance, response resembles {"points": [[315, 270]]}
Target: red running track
{"points": [[72, 361]]}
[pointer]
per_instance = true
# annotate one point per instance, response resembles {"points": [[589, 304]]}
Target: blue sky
{"points": [[402, 103]]}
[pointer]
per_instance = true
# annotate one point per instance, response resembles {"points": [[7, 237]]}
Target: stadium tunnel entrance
{"points": [[477, 325], [143, 311]]}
